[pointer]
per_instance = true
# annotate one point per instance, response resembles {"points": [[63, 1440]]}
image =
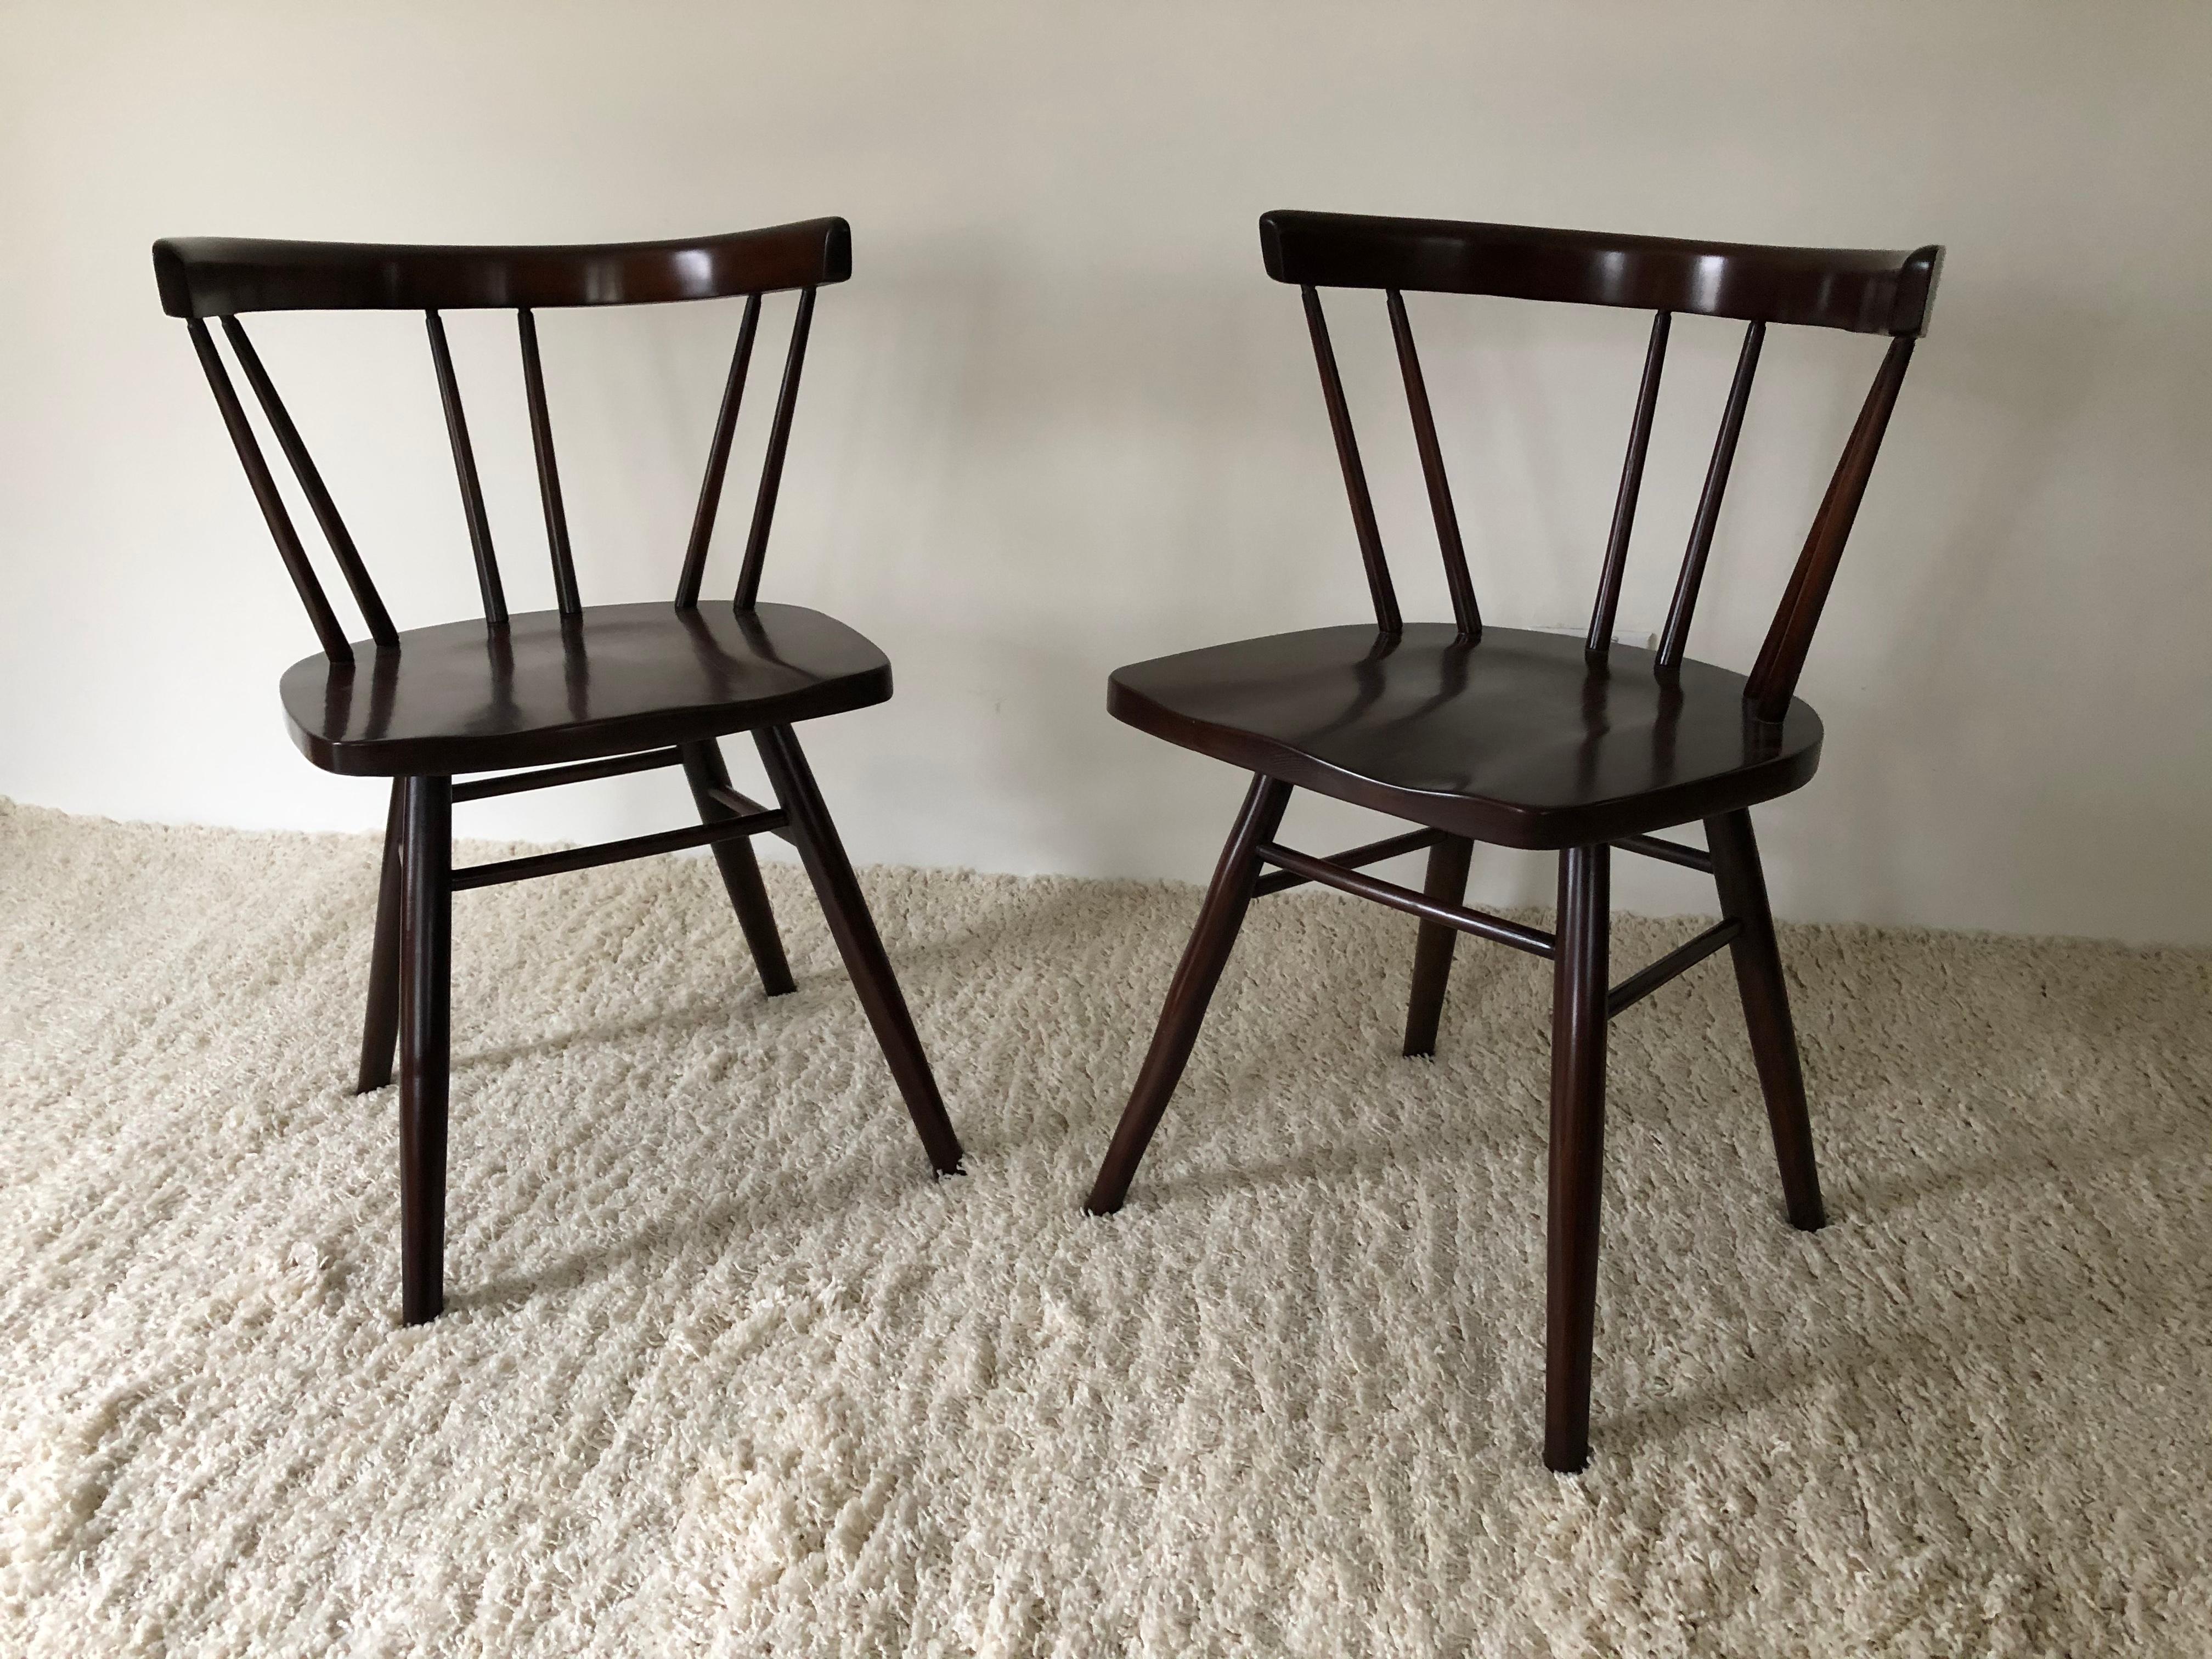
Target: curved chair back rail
{"points": [[1861, 290], [223, 276], [1868, 291], [220, 278]]}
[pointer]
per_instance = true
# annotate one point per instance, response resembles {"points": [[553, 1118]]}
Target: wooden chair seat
{"points": [[1516, 739], [466, 696]]}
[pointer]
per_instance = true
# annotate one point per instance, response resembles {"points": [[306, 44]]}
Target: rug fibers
{"points": [[725, 1372]]}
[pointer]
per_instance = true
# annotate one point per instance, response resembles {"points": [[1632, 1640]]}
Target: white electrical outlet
{"points": [[1634, 641]]}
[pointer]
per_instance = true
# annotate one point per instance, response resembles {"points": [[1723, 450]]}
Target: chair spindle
{"points": [[327, 630], [1464, 611], [1781, 659], [311, 485], [549, 470], [1632, 482], [779, 441], [464, 468], [1675, 639], [1355, 476], [717, 461]]}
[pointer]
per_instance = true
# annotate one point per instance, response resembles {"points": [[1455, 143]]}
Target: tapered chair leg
{"points": [[704, 768], [425, 1062], [1219, 920], [847, 911], [1578, 1157], [379, 1030], [1758, 958], [1432, 954]]}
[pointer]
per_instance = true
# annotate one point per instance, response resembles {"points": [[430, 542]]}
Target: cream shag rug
{"points": [[727, 1373]]}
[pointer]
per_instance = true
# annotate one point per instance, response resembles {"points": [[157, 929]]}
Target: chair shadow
{"points": [[1880, 1194], [1034, 917], [698, 1014], [996, 932], [1943, 1339], [1336, 1165], [830, 1193]]}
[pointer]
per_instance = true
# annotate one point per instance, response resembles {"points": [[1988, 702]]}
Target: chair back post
{"points": [[779, 443], [1598, 643], [1465, 612], [311, 485], [202, 278], [1789, 637], [1674, 638], [717, 461], [1857, 290], [464, 469], [1379, 590], [325, 622], [549, 470]]}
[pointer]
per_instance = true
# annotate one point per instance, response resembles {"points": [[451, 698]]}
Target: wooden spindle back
{"points": [[217, 277], [1862, 291]]}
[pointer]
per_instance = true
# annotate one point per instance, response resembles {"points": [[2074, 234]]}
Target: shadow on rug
{"points": [[726, 1372]]}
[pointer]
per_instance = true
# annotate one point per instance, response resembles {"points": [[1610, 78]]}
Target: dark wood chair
{"points": [[1531, 739], [576, 693]]}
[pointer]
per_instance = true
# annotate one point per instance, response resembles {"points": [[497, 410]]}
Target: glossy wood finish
{"points": [[551, 777], [1578, 1153], [324, 621], [1446, 884], [1865, 291], [220, 276], [778, 442], [1374, 852], [1465, 612], [468, 696], [548, 467], [717, 459], [1497, 929], [1599, 641], [562, 860], [846, 909], [464, 469], [705, 770], [1379, 590], [571, 694], [1677, 962], [745, 807], [380, 1026], [350, 565], [1533, 740], [425, 977], [1220, 916], [1766, 1012], [1675, 636], [1781, 659], [1515, 740], [1668, 852]]}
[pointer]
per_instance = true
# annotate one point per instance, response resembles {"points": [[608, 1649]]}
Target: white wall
{"points": [[1060, 420]]}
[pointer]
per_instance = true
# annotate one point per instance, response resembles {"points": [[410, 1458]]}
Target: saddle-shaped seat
{"points": [[1516, 739], [468, 696]]}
